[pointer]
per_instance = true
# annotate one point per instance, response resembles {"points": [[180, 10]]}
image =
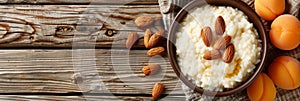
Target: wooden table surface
{"points": [[47, 46]]}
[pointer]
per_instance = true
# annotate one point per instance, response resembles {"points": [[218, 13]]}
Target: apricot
{"points": [[285, 72], [285, 32], [262, 89], [269, 9]]}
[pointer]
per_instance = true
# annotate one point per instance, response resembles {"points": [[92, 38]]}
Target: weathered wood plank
{"points": [[52, 71], [78, 1], [86, 98], [61, 25]]}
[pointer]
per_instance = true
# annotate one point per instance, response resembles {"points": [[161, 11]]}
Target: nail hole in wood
{"points": [[31, 37], [110, 32]]}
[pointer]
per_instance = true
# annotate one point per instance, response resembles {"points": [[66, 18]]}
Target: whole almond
{"points": [[151, 69], [222, 42], [220, 25], [206, 35], [211, 55], [156, 51], [147, 37], [143, 21], [228, 53], [132, 38], [157, 90], [155, 39]]}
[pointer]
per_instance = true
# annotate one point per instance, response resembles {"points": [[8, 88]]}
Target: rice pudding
{"points": [[216, 75]]}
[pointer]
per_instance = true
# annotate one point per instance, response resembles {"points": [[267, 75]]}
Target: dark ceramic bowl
{"points": [[252, 17]]}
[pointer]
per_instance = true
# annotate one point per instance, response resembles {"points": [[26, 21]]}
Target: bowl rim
{"points": [[252, 17]]}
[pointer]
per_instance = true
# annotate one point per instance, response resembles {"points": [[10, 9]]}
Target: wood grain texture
{"points": [[78, 2], [86, 98], [61, 25], [51, 71]]}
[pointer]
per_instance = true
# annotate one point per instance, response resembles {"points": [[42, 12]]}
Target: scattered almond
{"points": [[228, 53], [147, 37], [222, 42], [206, 35], [155, 39], [143, 21], [151, 69], [156, 51], [132, 38], [157, 90], [211, 55], [220, 25]]}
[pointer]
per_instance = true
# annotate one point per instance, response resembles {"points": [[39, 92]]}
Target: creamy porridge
{"points": [[215, 75]]}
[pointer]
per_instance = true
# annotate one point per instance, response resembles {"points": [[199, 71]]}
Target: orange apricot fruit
{"points": [[285, 32], [269, 9], [285, 72], [262, 89]]}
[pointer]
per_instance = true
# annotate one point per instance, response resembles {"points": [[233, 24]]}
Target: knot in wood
{"points": [[77, 78], [6, 26], [110, 32]]}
